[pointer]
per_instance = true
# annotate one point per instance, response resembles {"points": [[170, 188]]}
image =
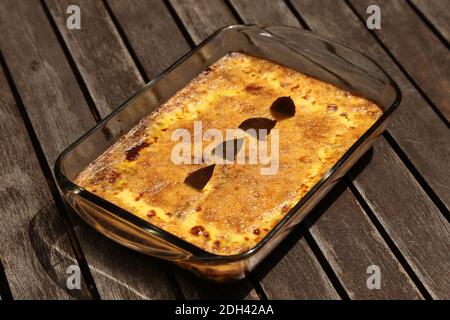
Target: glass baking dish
{"points": [[298, 49]]}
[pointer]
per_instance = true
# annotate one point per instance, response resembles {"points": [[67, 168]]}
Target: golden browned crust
{"points": [[239, 205]]}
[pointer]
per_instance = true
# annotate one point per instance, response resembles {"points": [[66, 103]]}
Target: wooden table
{"points": [[392, 210]]}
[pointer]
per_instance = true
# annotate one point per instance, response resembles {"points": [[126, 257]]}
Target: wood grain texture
{"points": [[297, 275], [265, 12], [421, 53], [340, 215], [48, 237], [43, 77], [351, 244], [100, 55], [203, 17], [409, 217], [418, 131], [437, 13], [414, 133], [121, 273], [59, 114], [34, 271], [149, 28]]}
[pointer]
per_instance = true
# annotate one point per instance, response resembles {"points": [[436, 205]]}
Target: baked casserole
{"points": [[238, 205]]}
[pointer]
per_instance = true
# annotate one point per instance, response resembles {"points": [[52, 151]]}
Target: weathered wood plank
{"points": [[297, 275], [100, 55], [33, 271], [48, 236], [265, 12], [203, 17], [145, 34], [59, 114], [43, 77], [438, 13], [343, 216], [351, 244], [421, 53], [413, 132], [121, 273], [409, 217]]}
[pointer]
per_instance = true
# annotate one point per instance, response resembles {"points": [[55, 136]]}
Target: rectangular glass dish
{"points": [[296, 49]]}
